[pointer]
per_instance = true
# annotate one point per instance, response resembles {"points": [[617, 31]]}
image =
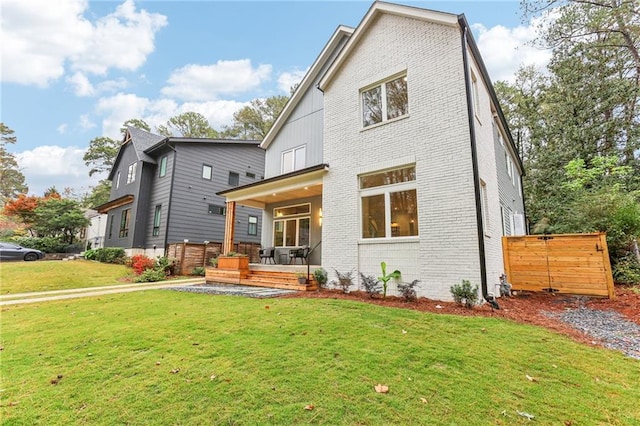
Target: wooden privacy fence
{"points": [[189, 255], [568, 263]]}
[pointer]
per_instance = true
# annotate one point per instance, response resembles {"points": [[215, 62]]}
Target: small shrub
{"points": [[464, 294], [150, 275], [165, 264], [627, 270], [345, 280], [408, 292], [45, 244], [90, 254], [141, 263], [214, 262], [371, 284], [111, 255], [385, 278], [198, 270], [321, 277]]}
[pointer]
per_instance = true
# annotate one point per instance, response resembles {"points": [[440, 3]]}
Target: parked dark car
{"points": [[14, 252]]}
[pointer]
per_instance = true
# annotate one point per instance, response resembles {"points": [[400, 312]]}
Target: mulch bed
{"points": [[524, 307]]}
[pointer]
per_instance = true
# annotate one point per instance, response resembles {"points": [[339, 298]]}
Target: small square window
{"points": [[251, 175], [234, 179], [163, 166], [207, 171], [385, 101], [219, 210], [253, 225]]}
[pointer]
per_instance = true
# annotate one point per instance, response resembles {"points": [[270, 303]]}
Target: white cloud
{"points": [[122, 107], [86, 123], [47, 166], [505, 50], [287, 79], [40, 36], [62, 129], [206, 82], [81, 85]]}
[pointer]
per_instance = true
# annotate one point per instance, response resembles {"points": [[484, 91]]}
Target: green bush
{"points": [[198, 270], [150, 275], [627, 270], [371, 284], [110, 255], [321, 277], [464, 294], [408, 291], [45, 244], [90, 254]]}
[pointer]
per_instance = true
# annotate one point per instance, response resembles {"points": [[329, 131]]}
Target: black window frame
{"points": [[156, 220], [234, 179], [252, 228]]}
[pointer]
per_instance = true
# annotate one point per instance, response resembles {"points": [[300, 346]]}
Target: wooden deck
{"points": [[261, 275]]}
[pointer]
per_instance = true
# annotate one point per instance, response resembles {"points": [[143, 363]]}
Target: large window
{"points": [[294, 159], [207, 171], [253, 225], [156, 220], [131, 173], [291, 225], [389, 203], [124, 223], [163, 166], [385, 101]]}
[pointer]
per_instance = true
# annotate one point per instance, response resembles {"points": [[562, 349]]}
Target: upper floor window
{"points": [[385, 101], [294, 159], [118, 179], [163, 166], [234, 179], [131, 173], [475, 94], [207, 171], [389, 203]]}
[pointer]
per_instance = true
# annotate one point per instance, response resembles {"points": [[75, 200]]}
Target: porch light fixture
{"points": [[320, 216]]}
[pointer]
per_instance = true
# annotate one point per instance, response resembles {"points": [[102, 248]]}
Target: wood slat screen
{"points": [[567, 263]]}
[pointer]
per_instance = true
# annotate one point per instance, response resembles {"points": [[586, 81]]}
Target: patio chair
{"points": [[268, 254], [299, 253]]}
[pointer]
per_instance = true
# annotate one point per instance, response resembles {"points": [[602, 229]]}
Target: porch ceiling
{"points": [[277, 190]]}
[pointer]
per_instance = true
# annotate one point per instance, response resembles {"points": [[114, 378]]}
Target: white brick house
{"points": [[407, 166]]}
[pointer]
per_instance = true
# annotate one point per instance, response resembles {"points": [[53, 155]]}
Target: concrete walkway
{"points": [[44, 296]]}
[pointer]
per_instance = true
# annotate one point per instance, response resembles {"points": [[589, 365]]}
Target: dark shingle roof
{"points": [[142, 141]]}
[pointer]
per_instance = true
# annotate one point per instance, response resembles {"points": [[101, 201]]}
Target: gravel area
{"points": [[233, 290], [608, 327]]}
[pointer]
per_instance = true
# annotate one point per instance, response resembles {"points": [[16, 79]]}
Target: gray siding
{"points": [[159, 195], [192, 195], [304, 126], [510, 193]]}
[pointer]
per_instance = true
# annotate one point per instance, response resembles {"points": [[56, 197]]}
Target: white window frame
{"points": [[298, 159], [118, 180], [209, 175], [383, 99], [252, 225], [131, 173], [387, 190], [292, 217]]}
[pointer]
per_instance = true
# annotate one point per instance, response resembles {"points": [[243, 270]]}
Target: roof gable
{"points": [[307, 81], [376, 10]]}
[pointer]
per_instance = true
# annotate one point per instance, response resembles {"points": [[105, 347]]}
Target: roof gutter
{"points": [[476, 173]]}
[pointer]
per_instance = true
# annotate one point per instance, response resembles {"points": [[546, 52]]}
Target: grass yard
{"points": [[162, 357], [46, 275]]}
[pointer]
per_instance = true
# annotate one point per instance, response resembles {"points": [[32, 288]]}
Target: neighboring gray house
{"points": [[163, 191], [394, 148]]}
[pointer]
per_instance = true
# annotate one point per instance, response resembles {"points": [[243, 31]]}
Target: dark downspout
{"points": [[476, 174], [173, 176]]}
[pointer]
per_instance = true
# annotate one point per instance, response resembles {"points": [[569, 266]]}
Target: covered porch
{"points": [[291, 224]]}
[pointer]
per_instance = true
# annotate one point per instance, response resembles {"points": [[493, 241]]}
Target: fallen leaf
{"points": [[266, 307], [175, 370], [157, 362], [484, 330], [527, 415], [404, 331], [381, 388], [568, 422], [438, 307], [309, 407], [213, 377], [424, 400], [195, 344], [531, 379], [554, 366]]}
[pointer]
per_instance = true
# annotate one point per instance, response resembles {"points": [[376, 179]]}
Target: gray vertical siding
{"points": [[304, 126], [160, 190]]}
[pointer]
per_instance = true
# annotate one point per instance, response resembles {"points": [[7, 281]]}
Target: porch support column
{"points": [[229, 227]]}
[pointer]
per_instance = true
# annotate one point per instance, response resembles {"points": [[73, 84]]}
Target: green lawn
{"points": [[162, 357], [46, 275]]}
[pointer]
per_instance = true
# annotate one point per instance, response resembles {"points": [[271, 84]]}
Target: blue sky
{"points": [[73, 70]]}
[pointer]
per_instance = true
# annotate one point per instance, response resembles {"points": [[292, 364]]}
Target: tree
{"points": [[99, 194], [188, 125], [101, 154], [23, 209], [254, 121], [134, 122], [62, 218], [12, 181]]}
